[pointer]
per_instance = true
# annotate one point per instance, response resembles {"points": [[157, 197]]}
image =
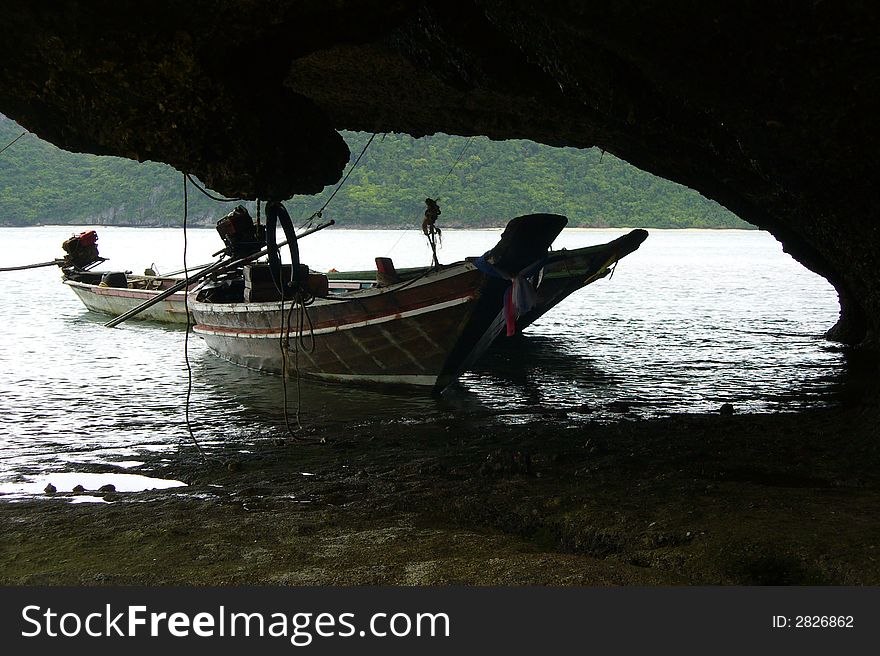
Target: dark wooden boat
{"points": [[562, 273], [424, 331]]}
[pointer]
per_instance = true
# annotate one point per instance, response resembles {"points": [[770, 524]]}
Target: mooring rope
{"points": [[301, 302], [303, 317], [189, 376], [436, 198], [452, 168], [12, 142], [350, 171], [320, 212], [219, 199], [285, 365]]}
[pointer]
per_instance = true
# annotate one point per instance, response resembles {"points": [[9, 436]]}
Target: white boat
{"points": [[115, 293]]}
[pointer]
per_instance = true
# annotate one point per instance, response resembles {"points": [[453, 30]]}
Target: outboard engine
{"points": [[114, 279], [241, 236], [81, 251]]}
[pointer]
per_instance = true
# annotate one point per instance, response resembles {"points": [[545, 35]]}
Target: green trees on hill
{"points": [[492, 182]]}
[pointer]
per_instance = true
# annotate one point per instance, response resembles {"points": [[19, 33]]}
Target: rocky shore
{"points": [[709, 499]]}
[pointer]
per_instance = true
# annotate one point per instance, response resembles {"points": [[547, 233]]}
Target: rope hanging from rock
{"points": [[452, 168], [320, 212], [12, 142], [219, 199], [189, 373]]}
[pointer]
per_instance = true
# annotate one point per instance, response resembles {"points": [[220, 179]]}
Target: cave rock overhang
{"points": [[769, 109]]}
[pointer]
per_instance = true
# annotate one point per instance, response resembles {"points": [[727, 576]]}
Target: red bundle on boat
{"points": [[81, 250], [88, 238]]}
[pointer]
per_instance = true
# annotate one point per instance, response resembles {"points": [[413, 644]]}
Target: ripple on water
{"points": [[691, 320]]}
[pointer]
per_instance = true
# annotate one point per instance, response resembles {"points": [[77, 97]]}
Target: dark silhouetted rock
{"points": [[770, 109]]}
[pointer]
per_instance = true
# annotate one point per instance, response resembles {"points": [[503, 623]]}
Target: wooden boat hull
{"points": [[568, 271], [117, 300], [422, 332]]}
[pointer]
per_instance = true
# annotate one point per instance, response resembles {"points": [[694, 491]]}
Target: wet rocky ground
{"points": [[709, 499]]}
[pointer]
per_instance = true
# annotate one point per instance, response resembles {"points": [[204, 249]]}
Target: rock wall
{"points": [[767, 107]]}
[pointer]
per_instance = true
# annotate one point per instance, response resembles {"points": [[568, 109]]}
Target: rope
{"points": [[284, 345], [320, 212], [353, 167], [219, 199], [305, 225], [402, 233], [432, 235], [189, 376], [12, 142], [436, 197], [452, 168], [307, 222], [299, 342]]}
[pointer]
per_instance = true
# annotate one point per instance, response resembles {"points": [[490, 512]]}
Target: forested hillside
{"points": [[491, 182]]}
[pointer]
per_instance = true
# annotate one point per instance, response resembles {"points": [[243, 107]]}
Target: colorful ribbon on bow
{"points": [[520, 296]]}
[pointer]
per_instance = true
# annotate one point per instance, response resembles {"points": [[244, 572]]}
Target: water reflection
{"points": [[538, 371], [692, 320], [81, 482]]}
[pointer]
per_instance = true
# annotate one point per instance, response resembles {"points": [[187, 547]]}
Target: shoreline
{"points": [[205, 226], [778, 499]]}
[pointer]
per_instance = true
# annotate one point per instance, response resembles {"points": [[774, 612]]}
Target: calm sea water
{"points": [[691, 320]]}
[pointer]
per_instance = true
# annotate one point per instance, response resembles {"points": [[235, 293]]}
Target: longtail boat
{"points": [[561, 274], [115, 293], [423, 331]]}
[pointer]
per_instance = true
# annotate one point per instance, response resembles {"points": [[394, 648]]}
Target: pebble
{"points": [[107, 488], [50, 489], [79, 488], [726, 410]]}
